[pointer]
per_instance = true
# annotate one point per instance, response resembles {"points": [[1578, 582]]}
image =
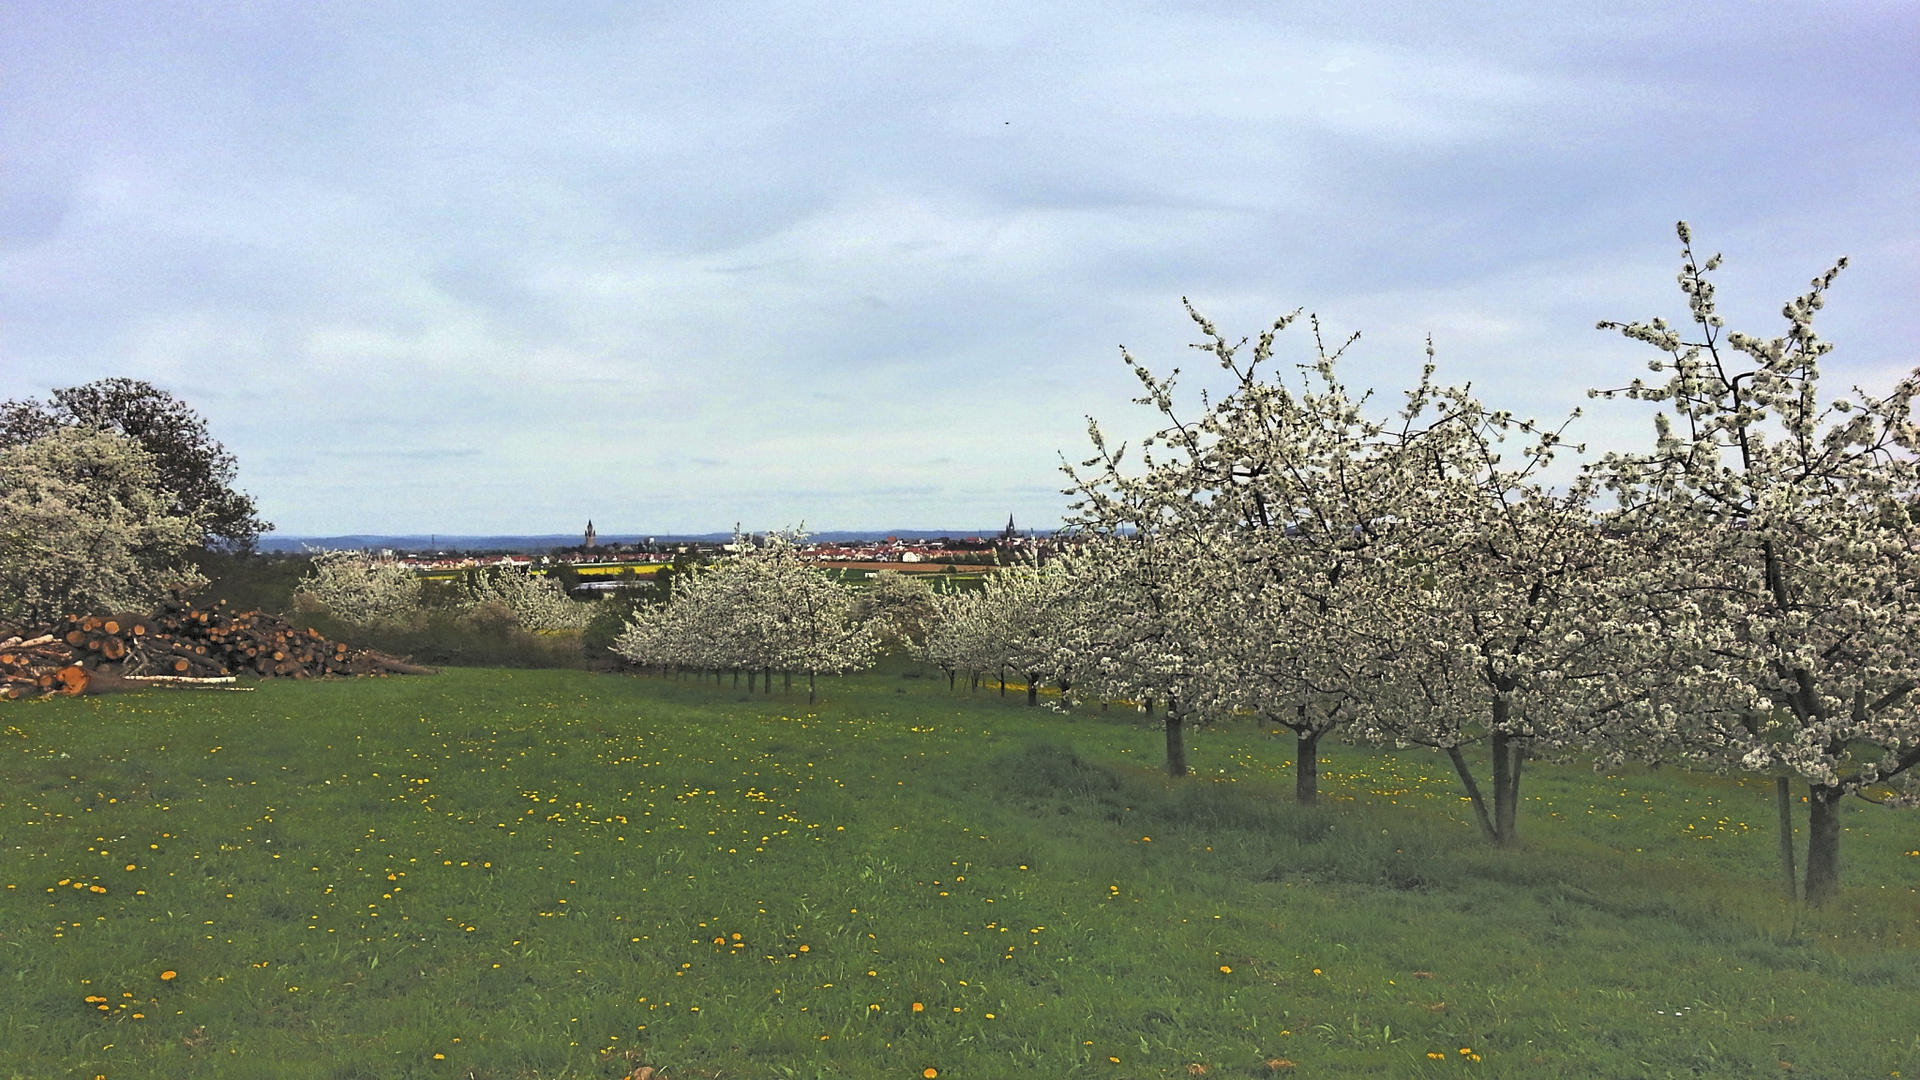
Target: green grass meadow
{"points": [[506, 874]]}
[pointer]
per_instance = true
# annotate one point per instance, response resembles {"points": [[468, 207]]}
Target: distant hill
{"points": [[434, 542]]}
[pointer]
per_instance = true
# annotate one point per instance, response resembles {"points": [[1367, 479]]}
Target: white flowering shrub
{"points": [[85, 526], [763, 610], [956, 636], [899, 607], [537, 603], [362, 590]]}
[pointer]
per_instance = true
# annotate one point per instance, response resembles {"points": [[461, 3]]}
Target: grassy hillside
{"points": [[546, 873]]}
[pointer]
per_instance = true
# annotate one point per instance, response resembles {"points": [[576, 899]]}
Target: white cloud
{"points": [[447, 268]]}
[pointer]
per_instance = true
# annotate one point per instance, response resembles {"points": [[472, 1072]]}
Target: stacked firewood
{"points": [[38, 665], [178, 643]]}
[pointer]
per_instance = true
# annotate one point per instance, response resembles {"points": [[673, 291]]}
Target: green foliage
{"points": [[1361, 937], [611, 613], [192, 465], [456, 637], [252, 582]]}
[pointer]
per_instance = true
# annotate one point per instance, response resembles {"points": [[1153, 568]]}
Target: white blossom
{"points": [[85, 527]]}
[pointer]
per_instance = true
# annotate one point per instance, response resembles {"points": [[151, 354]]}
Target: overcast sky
{"points": [[470, 268]]}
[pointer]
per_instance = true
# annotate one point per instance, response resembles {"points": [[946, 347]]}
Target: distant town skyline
{"points": [[499, 269], [279, 541]]}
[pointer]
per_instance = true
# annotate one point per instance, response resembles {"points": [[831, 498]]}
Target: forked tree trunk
{"points": [[1473, 793], [1783, 795], [1176, 744], [1306, 767], [1823, 844]]}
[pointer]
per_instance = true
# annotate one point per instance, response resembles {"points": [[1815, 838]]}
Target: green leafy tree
{"points": [[191, 464]]}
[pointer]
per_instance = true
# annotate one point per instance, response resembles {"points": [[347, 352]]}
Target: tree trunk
{"points": [[752, 673], [1176, 744], [1147, 707], [951, 674], [1783, 795], [1519, 747], [1473, 793], [766, 679], [786, 682], [736, 678], [1003, 681], [1505, 751], [1306, 767], [1823, 844], [813, 695], [1502, 763], [1033, 690]]}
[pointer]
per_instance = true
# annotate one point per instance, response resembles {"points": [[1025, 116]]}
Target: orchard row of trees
{"points": [[761, 612], [1740, 595]]}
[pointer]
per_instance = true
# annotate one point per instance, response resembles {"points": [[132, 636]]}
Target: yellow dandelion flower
{"points": [[1225, 970]]}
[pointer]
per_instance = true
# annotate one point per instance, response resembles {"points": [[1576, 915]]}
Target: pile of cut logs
{"points": [[178, 644]]}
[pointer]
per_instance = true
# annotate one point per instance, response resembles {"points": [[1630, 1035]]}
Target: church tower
{"points": [[588, 540]]}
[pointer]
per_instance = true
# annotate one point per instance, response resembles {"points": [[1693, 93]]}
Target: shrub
{"points": [[535, 603], [85, 526], [361, 591]]}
